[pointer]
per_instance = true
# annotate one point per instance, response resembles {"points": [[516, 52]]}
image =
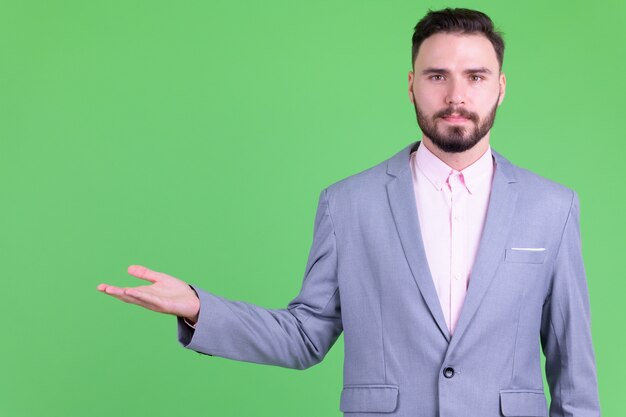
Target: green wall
{"points": [[194, 138]]}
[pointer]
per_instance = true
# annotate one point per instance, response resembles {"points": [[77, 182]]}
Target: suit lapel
{"points": [[402, 201], [502, 202]]}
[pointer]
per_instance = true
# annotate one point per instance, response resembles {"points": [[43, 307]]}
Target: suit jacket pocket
{"points": [[375, 398], [523, 402], [525, 256]]}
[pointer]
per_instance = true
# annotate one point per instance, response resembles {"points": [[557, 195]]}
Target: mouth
{"points": [[455, 118]]}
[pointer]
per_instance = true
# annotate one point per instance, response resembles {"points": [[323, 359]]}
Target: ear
{"points": [[502, 82], [411, 76]]}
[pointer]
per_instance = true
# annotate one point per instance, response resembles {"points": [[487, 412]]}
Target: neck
{"points": [[458, 160]]}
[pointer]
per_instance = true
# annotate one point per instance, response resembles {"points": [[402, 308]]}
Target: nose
{"points": [[455, 93]]}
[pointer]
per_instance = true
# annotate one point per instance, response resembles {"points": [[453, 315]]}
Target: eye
{"points": [[476, 78], [436, 77]]}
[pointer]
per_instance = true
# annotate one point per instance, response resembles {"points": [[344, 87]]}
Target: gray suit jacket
{"points": [[367, 275]]}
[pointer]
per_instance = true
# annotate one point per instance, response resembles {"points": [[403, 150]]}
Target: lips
{"points": [[455, 118]]}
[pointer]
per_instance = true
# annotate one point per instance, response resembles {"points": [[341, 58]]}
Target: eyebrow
{"points": [[481, 70]]}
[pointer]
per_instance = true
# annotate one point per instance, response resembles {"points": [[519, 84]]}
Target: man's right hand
{"points": [[166, 294]]}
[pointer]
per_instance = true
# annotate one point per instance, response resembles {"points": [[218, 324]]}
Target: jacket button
{"points": [[448, 372]]}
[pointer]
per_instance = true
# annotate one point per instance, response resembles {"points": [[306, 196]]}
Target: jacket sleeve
{"points": [[298, 336], [566, 329]]}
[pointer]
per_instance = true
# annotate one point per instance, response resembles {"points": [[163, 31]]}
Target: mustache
{"points": [[459, 111]]}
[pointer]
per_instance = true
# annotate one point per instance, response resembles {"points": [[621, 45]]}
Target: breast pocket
{"points": [[525, 255]]}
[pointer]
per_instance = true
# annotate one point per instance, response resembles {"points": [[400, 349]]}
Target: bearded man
{"points": [[447, 268]]}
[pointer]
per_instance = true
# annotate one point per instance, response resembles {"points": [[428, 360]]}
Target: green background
{"points": [[194, 138]]}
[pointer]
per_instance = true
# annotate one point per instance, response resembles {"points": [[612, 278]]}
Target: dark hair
{"points": [[456, 21]]}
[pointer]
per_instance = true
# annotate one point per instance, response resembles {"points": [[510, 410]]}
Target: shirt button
{"points": [[457, 275], [448, 372]]}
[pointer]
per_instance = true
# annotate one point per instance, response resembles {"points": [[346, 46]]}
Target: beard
{"points": [[455, 139]]}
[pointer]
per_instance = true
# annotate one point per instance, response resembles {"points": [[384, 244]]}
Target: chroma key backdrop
{"points": [[194, 138]]}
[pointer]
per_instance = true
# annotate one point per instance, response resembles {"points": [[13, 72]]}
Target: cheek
{"points": [[427, 100], [487, 95], [484, 101]]}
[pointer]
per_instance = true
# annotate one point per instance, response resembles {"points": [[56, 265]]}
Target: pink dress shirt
{"points": [[451, 206]]}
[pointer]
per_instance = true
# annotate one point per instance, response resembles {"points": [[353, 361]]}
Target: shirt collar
{"points": [[437, 171]]}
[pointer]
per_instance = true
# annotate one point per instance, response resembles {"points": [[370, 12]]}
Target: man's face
{"points": [[456, 87]]}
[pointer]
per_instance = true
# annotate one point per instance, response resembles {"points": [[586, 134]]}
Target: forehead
{"points": [[452, 50]]}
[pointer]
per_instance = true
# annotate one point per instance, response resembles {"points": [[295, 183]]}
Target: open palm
{"points": [[166, 294]]}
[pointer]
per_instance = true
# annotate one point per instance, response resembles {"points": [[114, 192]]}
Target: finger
{"points": [[110, 289], [144, 273], [117, 293], [132, 300], [134, 296], [121, 295], [149, 299]]}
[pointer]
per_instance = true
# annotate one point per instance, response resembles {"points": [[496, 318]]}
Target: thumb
{"points": [[144, 273]]}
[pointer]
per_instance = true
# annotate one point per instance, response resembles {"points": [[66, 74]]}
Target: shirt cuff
{"points": [[193, 326]]}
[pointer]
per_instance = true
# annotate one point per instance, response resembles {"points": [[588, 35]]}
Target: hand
{"points": [[166, 294]]}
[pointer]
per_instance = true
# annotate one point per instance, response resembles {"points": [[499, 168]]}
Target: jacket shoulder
{"points": [[364, 182], [538, 190]]}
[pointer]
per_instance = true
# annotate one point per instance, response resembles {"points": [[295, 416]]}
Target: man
{"points": [[446, 267]]}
